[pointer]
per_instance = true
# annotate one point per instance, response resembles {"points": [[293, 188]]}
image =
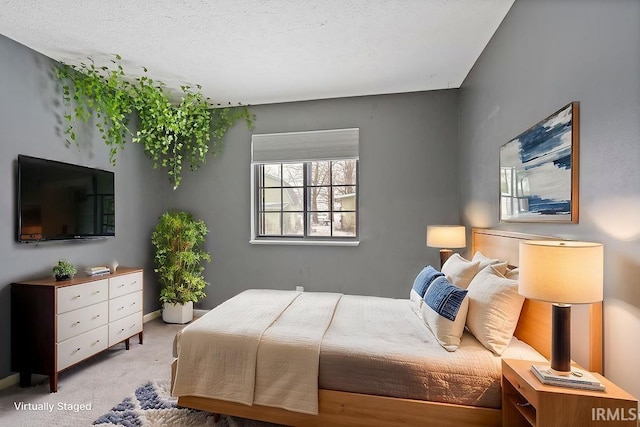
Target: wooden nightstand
{"points": [[528, 402]]}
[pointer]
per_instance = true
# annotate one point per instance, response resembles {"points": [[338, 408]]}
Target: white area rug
{"points": [[152, 405]]}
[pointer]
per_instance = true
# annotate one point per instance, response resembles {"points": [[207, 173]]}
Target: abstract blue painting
{"points": [[539, 171]]}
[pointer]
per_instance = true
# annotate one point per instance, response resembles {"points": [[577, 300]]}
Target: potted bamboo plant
{"points": [[178, 240]]}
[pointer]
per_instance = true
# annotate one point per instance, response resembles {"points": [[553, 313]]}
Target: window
{"points": [[305, 187]]}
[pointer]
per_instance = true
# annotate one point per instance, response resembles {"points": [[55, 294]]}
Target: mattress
{"points": [[381, 346]]}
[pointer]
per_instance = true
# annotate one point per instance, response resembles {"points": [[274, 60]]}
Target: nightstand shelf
{"points": [[522, 407], [528, 402]]}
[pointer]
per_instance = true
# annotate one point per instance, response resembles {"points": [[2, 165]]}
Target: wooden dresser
{"points": [[55, 325]]}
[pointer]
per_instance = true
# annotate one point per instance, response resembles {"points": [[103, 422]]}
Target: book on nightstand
{"points": [[578, 378]]}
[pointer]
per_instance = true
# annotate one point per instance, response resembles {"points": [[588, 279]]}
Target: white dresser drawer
{"points": [[77, 296], [125, 284], [125, 305], [78, 348], [84, 319], [124, 328]]}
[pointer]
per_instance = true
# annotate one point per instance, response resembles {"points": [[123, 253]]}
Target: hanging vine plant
{"points": [[173, 133]]}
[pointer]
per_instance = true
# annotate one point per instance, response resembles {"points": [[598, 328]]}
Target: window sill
{"points": [[294, 242]]}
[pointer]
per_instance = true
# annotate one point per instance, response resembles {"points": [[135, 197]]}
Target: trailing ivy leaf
{"points": [[170, 132]]}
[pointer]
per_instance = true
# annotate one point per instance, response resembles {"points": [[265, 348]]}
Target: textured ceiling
{"points": [[267, 51]]}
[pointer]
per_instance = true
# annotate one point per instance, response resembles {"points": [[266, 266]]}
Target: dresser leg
{"points": [[53, 383], [25, 379], [126, 343], [140, 336]]}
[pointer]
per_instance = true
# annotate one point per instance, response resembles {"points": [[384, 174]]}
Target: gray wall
{"points": [[544, 55], [408, 179], [30, 124]]}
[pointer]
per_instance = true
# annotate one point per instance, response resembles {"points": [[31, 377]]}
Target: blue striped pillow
{"points": [[445, 298], [424, 279]]}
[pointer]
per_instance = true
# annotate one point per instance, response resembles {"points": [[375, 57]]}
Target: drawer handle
{"points": [[77, 296], [76, 323], [133, 303], [134, 282], [121, 286], [78, 349], [120, 308], [96, 316], [522, 405], [132, 326], [122, 330]]}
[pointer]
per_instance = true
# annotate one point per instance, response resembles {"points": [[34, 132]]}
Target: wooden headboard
{"points": [[534, 326]]}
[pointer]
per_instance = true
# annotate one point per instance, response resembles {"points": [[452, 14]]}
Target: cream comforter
{"points": [[275, 348], [261, 347]]}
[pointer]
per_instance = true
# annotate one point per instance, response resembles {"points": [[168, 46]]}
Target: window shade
{"points": [[305, 146]]}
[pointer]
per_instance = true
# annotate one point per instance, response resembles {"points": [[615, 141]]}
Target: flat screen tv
{"points": [[61, 201]]}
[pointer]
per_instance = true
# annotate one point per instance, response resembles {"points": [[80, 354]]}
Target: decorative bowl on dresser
{"points": [[56, 324]]}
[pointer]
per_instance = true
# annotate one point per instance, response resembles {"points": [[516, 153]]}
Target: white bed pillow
{"points": [[500, 265], [444, 311], [460, 271], [494, 309], [416, 298], [513, 273]]}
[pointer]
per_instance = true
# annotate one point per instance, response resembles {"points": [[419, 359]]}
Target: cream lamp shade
{"points": [[561, 272], [446, 236]]}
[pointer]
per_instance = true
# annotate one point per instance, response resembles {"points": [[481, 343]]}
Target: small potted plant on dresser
{"points": [[64, 270], [178, 240]]}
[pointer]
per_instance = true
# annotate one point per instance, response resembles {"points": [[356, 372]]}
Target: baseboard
{"points": [[9, 381], [151, 316], [198, 313], [158, 313]]}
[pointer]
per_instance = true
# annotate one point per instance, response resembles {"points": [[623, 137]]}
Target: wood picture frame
{"points": [[539, 170]]}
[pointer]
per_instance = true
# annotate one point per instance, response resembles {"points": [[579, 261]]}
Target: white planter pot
{"points": [[178, 313]]}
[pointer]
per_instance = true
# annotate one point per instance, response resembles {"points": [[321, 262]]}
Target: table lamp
{"points": [[444, 237], [562, 273]]}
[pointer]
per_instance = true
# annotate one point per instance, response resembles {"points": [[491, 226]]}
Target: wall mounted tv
{"points": [[61, 201]]}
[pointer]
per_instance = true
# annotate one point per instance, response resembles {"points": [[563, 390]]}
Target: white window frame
{"points": [[310, 146]]}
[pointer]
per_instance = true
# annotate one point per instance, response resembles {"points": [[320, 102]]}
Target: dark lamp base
{"points": [[561, 339], [444, 256]]}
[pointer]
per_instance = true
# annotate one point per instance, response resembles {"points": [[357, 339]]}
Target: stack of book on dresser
{"points": [[579, 378], [96, 271]]}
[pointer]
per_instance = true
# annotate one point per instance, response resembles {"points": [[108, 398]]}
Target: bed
{"points": [[349, 408]]}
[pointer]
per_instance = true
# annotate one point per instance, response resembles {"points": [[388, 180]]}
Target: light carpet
{"points": [[99, 382], [152, 405]]}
